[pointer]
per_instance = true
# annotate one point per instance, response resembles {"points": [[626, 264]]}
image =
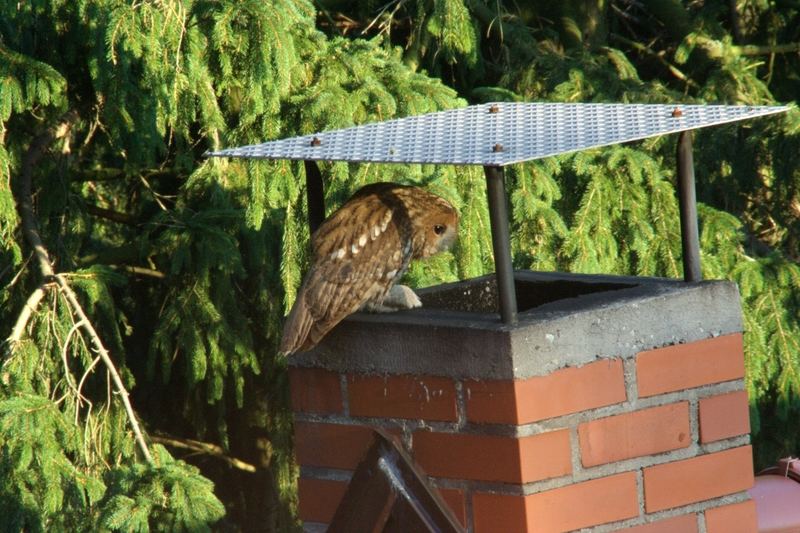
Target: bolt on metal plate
{"points": [[499, 133]]}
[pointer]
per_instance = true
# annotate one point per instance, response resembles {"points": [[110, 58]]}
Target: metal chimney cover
{"points": [[498, 134]]}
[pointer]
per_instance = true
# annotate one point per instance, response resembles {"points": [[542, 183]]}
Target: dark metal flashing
{"points": [[315, 195], [690, 240], [388, 494], [501, 243]]}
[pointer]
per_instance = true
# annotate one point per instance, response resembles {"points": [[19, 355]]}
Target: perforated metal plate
{"points": [[498, 134]]}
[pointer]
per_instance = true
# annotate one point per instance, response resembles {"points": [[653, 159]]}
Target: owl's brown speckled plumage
{"points": [[360, 252]]}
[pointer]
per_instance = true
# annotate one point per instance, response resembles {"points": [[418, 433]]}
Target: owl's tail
{"points": [[297, 331]]}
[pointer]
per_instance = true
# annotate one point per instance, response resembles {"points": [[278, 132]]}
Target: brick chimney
{"points": [[615, 403]]}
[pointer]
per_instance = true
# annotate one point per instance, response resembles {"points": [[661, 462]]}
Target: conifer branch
{"points": [[327, 14], [25, 315], [25, 201], [157, 197], [736, 22], [141, 271], [110, 214], [30, 228], [785, 338], [658, 56], [763, 50], [204, 448], [716, 49], [130, 252], [110, 174]]}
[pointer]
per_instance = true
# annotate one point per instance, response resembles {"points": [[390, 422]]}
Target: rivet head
{"points": [[497, 148], [494, 108], [315, 141], [677, 112]]}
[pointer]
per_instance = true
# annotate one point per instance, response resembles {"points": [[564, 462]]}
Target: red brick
{"points": [[319, 498], [314, 390], [645, 432], [330, 445], [724, 416], [428, 397], [562, 392], [585, 504], [493, 401], [499, 513], [545, 455], [686, 523], [684, 366], [697, 479], [455, 500], [492, 458], [735, 518]]}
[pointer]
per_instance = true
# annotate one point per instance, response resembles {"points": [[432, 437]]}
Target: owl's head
{"points": [[439, 224]]}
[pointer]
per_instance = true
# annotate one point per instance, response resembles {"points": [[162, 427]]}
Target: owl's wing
{"points": [[358, 255]]}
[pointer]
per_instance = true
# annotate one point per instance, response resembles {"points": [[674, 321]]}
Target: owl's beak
{"points": [[448, 239]]}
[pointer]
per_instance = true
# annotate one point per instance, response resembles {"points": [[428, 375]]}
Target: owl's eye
{"points": [[438, 229]]}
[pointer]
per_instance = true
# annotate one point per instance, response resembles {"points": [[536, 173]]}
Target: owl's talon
{"points": [[402, 297], [398, 298]]}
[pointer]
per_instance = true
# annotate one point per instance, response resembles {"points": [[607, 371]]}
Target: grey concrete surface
{"points": [[564, 319]]}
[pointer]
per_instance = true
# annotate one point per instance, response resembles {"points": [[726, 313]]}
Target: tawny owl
{"points": [[360, 252]]}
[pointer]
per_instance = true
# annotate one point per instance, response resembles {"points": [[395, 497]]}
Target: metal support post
{"points": [[501, 243], [690, 239], [315, 195]]}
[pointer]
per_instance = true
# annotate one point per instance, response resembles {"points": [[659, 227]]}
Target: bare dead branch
{"points": [[106, 358], [205, 448]]}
